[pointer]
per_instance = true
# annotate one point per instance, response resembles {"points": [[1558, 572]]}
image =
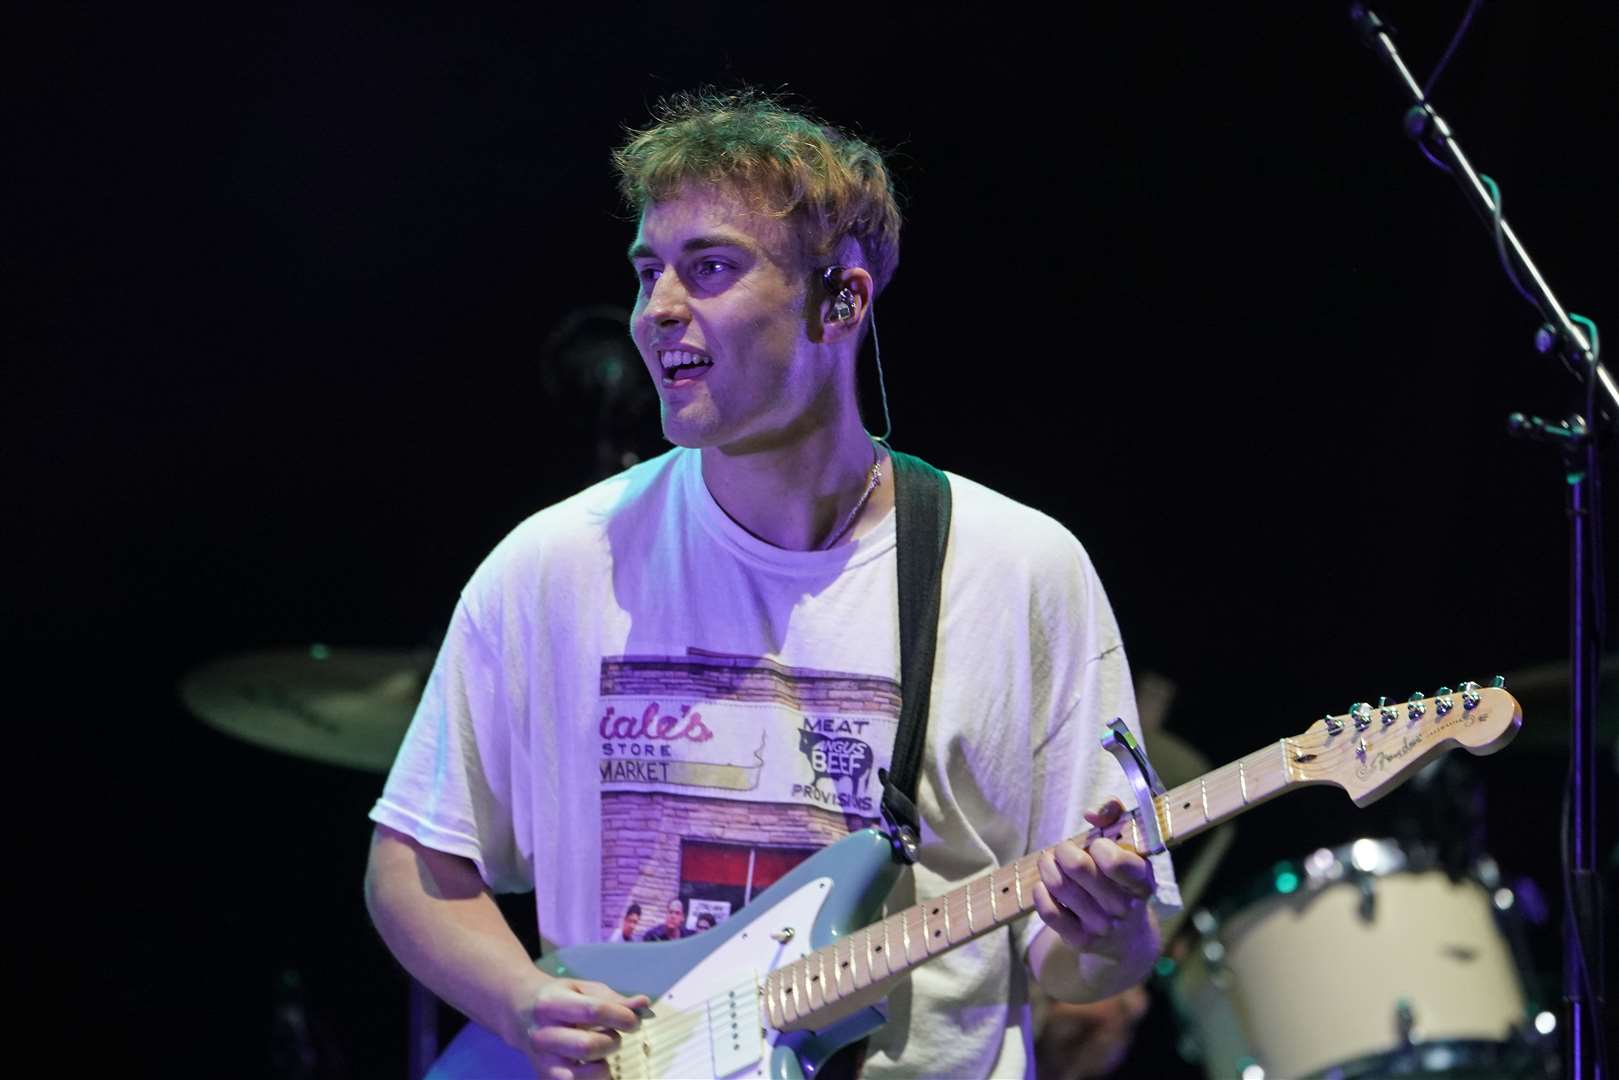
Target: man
{"points": [[674, 924], [643, 660], [626, 927]]}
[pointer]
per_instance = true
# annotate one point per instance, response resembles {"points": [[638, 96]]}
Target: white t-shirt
{"points": [[638, 701]]}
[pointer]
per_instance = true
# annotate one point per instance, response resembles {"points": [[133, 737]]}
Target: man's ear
{"points": [[847, 298]]}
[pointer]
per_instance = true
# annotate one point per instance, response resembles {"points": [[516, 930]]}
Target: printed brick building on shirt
{"points": [[720, 773]]}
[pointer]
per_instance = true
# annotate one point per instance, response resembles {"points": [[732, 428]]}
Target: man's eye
{"points": [[710, 267], [646, 275]]}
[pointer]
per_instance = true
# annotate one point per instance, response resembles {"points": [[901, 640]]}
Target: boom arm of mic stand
{"points": [[1429, 128]]}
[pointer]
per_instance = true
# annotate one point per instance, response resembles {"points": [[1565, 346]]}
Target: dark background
{"points": [[1173, 275]]}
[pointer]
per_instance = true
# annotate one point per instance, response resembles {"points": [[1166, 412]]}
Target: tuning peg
{"points": [[1416, 708], [1362, 713], [1469, 695], [1443, 702], [1334, 725], [1499, 682]]}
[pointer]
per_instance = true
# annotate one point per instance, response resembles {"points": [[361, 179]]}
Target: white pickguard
{"points": [[727, 1038]]}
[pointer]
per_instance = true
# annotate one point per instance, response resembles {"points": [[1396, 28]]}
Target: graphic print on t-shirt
{"points": [[720, 773]]}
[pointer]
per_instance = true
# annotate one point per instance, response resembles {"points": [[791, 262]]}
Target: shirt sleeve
{"points": [[1073, 772], [451, 786]]}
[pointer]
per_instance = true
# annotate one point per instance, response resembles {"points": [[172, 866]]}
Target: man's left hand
{"points": [[1086, 894]]}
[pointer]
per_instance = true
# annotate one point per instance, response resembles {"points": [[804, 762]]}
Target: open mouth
{"points": [[681, 366]]}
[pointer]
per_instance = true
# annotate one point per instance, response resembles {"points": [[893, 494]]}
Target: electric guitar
{"points": [[798, 973]]}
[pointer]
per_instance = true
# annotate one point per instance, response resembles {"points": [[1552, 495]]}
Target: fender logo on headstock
{"points": [[1382, 759]]}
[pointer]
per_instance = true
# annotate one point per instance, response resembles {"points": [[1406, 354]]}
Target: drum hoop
{"points": [[1326, 867], [1513, 1057]]}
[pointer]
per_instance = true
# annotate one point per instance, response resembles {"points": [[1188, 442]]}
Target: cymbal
{"points": [[337, 706], [1174, 759], [1542, 690]]}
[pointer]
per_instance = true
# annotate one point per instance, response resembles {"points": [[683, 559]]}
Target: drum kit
{"points": [[1373, 959]]}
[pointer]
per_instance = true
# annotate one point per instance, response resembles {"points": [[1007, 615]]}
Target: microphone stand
{"points": [[1576, 438]]}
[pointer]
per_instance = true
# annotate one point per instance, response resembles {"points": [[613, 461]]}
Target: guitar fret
{"points": [[935, 936], [862, 955], [958, 915], [999, 889], [1242, 780], [813, 998], [1203, 787], [772, 991], [842, 978], [885, 952], [801, 1001], [789, 1004]]}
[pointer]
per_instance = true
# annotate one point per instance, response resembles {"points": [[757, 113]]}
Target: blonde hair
{"points": [[828, 184]]}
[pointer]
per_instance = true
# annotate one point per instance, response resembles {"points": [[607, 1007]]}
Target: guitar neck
{"points": [[1366, 752], [829, 981], [863, 964]]}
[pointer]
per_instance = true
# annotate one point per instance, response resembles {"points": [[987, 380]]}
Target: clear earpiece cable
{"points": [[882, 386]]}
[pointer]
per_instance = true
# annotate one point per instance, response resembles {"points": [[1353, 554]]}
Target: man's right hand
{"points": [[568, 1027], [440, 920]]}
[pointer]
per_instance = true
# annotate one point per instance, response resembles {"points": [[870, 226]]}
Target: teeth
{"points": [[680, 358]]}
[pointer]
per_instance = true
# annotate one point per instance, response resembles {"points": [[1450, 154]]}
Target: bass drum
{"points": [[1357, 962]]}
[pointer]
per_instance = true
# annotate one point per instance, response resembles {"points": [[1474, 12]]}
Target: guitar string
{"points": [[678, 1025], [682, 1022]]}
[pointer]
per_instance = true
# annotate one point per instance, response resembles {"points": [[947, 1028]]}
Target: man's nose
{"points": [[668, 302]]}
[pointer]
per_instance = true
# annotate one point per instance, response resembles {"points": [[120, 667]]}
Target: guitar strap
{"points": [[922, 528]]}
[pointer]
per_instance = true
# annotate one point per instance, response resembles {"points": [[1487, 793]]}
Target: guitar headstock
{"points": [[1372, 749]]}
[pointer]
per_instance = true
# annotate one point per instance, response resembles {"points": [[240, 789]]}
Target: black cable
{"points": [[1593, 1007], [1455, 39]]}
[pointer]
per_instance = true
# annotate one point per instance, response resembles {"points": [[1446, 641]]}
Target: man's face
{"points": [[630, 919], [675, 916], [721, 320]]}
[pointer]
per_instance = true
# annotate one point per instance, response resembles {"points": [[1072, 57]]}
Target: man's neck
{"points": [[797, 496]]}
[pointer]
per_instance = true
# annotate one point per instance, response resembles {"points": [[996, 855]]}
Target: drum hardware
{"points": [[1368, 898], [1405, 1022]]}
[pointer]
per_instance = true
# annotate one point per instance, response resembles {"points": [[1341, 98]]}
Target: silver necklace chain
{"points": [[871, 485]]}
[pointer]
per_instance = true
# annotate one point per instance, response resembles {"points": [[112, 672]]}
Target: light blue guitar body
{"points": [[714, 975]]}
